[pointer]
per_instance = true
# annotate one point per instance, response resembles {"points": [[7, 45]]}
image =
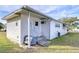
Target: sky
{"points": [[54, 11]]}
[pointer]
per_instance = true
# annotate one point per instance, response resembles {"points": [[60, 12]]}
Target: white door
{"points": [[36, 28]]}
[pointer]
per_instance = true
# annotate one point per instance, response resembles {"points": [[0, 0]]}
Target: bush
{"points": [[1, 26], [77, 27]]}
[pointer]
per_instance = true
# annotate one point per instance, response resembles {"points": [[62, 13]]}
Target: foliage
{"points": [[69, 21], [77, 27], [1, 26]]}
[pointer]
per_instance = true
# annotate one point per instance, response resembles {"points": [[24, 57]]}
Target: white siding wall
{"points": [[54, 30], [46, 29], [24, 25], [63, 30], [17, 33], [42, 29], [35, 30], [13, 31]]}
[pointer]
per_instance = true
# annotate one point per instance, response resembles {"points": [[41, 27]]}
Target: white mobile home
{"points": [[31, 23]]}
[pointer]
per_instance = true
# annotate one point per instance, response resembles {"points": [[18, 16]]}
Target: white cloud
{"points": [[50, 8], [55, 11], [8, 9], [63, 11], [45, 8]]}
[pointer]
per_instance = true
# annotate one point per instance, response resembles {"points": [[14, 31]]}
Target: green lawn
{"points": [[66, 43], [6, 45]]}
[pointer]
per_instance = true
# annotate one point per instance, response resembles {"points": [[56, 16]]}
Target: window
{"points": [[43, 22], [36, 23], [57, 25]]}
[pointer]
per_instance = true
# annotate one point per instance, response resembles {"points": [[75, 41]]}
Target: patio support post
{"points": [[29, 39]]}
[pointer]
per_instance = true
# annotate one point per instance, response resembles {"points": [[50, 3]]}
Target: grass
{"points": [[6, 45], [70, 39], [67, 43]]}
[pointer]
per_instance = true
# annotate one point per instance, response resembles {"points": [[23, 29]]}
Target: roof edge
{"points": [[26, 7]]}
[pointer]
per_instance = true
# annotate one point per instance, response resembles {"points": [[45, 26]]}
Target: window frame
{"points": [[57, 25], [36, 23]]}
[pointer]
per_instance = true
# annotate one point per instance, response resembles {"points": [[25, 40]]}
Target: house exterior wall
{"points": [[24, 25], [17, 33], [63, 30], [35, 30], [13, 29], [54, 30], [41, 29], [46, 29]]}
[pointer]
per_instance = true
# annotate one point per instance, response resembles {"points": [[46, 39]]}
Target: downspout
{"points": [[29, 39], [50, 29]]}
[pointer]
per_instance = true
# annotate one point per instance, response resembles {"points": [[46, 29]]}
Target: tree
{"points": [[1, 26], [69, 21]]}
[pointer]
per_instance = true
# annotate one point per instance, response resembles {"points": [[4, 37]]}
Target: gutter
{"points": [[25, 7]]}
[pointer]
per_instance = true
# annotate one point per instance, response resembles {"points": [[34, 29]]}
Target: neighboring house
{"points": [[76, 26], [20, 21]]}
